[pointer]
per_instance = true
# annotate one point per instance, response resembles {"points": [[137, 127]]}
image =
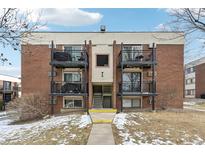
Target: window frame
{"points": [[132, 51], [72, 99], [74, 55], [67, 72], [132, 100], [102, 55]]}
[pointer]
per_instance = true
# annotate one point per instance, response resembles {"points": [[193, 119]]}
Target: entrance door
{"points": [[132, 82], [102, 96], [107, 101]]}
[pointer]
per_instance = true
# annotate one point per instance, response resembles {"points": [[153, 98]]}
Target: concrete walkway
{"points": [[101, 133]]}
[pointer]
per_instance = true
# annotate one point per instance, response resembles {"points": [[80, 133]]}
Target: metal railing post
{"points": [[52, 79], [153, 76]]}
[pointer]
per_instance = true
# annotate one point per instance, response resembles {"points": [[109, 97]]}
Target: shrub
{"points": [[28, 107]]}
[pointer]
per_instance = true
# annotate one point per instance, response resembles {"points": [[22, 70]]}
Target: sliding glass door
{"points": [[132, 82]]}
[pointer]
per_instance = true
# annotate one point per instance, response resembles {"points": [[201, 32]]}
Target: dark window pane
{"points": [[68, 104], [78, 103], [97, 89], [102, 60]]}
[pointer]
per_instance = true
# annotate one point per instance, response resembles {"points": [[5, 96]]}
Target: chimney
{"points": [[102, 28]]}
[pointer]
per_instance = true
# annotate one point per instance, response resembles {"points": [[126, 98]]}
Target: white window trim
{"points": [[64, 72], [69, 98], [68, 45], [140, 98]]}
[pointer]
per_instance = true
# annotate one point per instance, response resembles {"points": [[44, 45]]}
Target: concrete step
{"points": [[100, 116], [102, 110]]}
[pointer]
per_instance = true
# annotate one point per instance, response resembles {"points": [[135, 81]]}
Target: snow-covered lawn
{"points": [[159, 128], [67, 129]]}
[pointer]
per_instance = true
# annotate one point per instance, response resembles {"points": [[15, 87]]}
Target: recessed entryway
{"points": [[102, 96]]}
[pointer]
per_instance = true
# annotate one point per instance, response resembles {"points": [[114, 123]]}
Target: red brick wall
{"points": [[35, 71], [170, 78], [200, 79], [35, 68]]}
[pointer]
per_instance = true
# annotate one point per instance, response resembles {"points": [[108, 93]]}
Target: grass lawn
{"points": [[67, 129], [159, 128]]}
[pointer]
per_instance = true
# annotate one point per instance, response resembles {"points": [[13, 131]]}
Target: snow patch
{"points": [[120, 120], [189, 103], [85, 120], [27, 131]]}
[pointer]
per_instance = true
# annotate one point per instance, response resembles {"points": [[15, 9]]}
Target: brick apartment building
{"points": [[121, 70], [10, 88], [194, 78]]}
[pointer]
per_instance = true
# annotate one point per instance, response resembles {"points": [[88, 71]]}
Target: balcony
{"points": [[131, 58], [6, 89], [69, 59], [68, 89], [137, 88]]}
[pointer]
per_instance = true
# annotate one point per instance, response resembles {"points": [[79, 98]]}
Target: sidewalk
{"points": [[101, 134]]}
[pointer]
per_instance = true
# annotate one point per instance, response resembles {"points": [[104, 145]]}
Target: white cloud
{"points": [[66, 17], [10, 70], [44, 28], [162, 27]]}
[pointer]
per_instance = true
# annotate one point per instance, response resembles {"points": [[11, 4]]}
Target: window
{"points": [[102, 60], [194, 68], [190, 70], [73, 103], [132, 81], [72, 77], [190, 81], [131, 52], [75, 52], [6, 85], [190, 92], [128, 103]]}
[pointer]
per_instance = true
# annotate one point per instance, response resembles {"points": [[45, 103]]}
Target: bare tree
{"points": [[190, 21], [15, 26]]}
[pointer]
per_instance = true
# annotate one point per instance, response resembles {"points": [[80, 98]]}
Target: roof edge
{"points": [[107, 32]]}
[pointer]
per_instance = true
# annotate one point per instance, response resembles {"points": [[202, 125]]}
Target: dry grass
{"points": [[200, 106], [67, 133], [54, 136], [168, 127]]}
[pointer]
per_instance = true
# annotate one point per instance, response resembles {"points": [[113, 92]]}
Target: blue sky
{"points": [[114, 19]]}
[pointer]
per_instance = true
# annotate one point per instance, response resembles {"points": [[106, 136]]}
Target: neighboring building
{"points": [[105, 69], [194, 78], [9, 88]]}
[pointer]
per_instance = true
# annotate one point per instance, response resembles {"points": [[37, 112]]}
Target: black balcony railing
{"points": [[137, 56], [68, 87], [136, 87], [5, 89], [69, 58]]}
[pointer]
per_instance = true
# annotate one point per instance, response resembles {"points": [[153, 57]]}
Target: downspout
{"points": [[85, 76], [153, 77], [52, 79], [121, 58]]}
